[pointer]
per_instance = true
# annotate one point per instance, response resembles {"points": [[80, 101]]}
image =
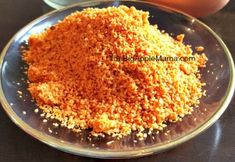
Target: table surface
{"points": [[217, 144]]}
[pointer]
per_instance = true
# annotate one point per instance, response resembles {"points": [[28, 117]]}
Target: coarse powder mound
{"points": [[81, 74]]}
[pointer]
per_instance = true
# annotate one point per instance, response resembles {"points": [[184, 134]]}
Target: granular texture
{"points": [[75, 78]]}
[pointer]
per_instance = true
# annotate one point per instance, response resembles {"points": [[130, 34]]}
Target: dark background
{"points": [[217, 144]]}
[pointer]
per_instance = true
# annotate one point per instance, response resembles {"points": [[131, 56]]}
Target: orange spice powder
{"points": [[74, 80]]}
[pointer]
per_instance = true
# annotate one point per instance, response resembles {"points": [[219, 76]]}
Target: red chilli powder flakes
{"points": [[73, 79]]}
